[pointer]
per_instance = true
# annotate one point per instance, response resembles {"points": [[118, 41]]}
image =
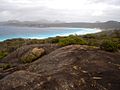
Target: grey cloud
{"points": [[113, 2], [9, 10]]}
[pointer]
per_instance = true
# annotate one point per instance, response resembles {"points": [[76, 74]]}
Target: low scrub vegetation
{"points": [[72, 40], [93, 36], [5, 66], [109, 45], [9, 46], [2, 54]]}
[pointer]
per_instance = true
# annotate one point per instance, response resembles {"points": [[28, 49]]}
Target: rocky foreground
{"points": [[73, 67]]}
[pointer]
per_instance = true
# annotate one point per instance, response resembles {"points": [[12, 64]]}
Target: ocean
{"points": [[10, 32]]}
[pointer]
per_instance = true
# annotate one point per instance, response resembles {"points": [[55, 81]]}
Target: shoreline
{"points": [[61, 34]]}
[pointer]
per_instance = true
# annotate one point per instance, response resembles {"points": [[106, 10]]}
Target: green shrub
{"points": [[109, 45], [118, 46], [70, 40], [93, 42], [2, 54], [52, 40], [5, 66], [28, 58], [90, 36]]}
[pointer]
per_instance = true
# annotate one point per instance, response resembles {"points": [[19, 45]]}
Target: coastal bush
{"points": [[90, 36], [5, 66], [28, 58], [118, 46], [35, 41], [93, 42], [52, 40], [2, 54], [55, 40], [109, 45], [70, 40]]}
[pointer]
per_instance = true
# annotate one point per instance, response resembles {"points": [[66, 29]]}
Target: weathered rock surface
{"points": [[69, 68], [26, 53], [15, 57]]}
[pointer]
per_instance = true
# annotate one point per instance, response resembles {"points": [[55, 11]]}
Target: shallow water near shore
{"points": [[10, 32]]}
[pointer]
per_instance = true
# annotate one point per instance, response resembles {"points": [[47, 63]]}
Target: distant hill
{"points": [[102, 25], [45, 23]]}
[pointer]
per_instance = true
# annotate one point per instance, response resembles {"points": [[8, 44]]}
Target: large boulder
{"points": [[73, 67], [38, 51], [32, 55]]}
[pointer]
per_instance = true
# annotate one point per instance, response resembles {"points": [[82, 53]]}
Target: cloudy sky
{"points": [[63, 10]]}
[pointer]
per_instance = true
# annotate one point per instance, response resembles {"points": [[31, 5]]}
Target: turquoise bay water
{"points": [[10, 32]]}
